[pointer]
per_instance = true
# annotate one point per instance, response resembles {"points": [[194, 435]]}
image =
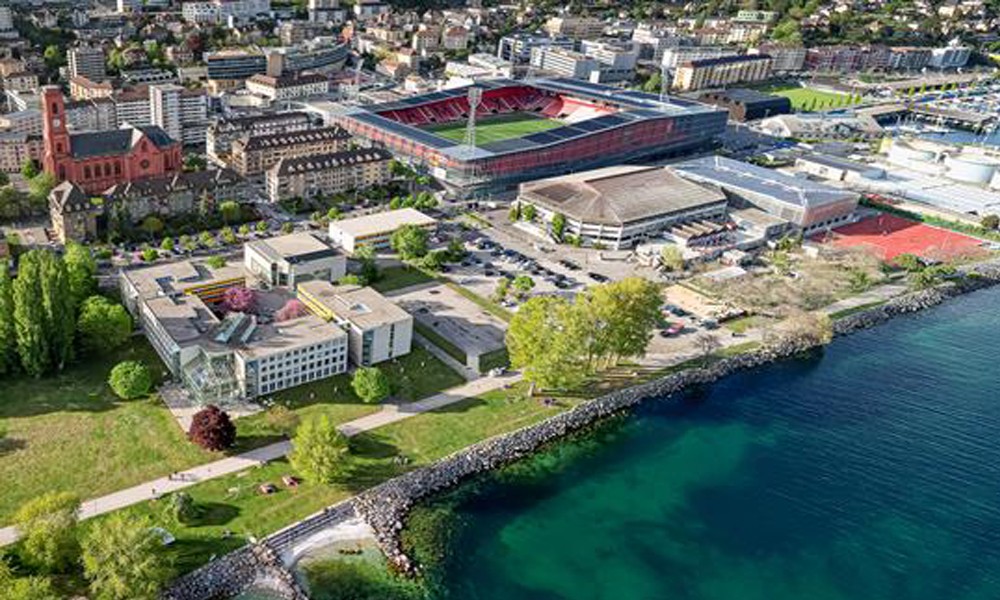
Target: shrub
{"points": [[182, 508], [103, 325], [130, 379], [212, 429]]}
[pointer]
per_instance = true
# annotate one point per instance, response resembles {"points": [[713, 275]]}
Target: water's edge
{"points": [[387, 506]]}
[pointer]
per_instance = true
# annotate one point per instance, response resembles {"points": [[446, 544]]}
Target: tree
{"points": [[206, 239], [621, 316], [859, 280], [456, 250], [707, 344], [351, 279], [103, 325], [130, 379], [238, 299], [318, 450], [369, 268], [152, 225], [371, 384], [230, 211], [292, 309], [150, 254], [4, 179], [558, 226], [40, 186], [181, 507], [29, 169], [8, 342], [409, 241], [24, 588], [244, 230], [802, 330], [167, 245], [523, 284], [47, 525], [216, 262], [515, 212], [653, 84], [672, 258], [528, 212], [261, 226], [212, 429], [990, 222], [29, 316], [287, 227], [544, 340], [54, 57], [228, 235], [124, 559], [501, 291], [333, 214]]}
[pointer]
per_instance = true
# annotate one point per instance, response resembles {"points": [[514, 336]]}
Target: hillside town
{"points": [[264, 257]]}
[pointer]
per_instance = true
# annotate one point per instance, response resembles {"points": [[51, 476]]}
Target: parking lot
{"points": [[456, 318]]}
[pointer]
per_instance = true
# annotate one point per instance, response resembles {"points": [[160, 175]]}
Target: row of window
{"points": [[299, 379]]}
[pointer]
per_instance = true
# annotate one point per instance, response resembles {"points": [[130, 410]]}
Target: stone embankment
{"points": [[386, 506], [256, 566]]}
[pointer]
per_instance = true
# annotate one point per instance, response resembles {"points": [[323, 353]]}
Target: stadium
{"points": [[528, 130]]}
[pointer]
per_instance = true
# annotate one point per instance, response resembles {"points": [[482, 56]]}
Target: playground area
{"points": [[887, 236]]}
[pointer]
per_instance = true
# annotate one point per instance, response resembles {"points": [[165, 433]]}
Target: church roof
{"points": [[116, 141]]}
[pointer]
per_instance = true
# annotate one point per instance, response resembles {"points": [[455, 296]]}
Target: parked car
{"points": [[597, 277]]}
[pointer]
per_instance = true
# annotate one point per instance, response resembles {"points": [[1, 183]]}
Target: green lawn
{"points": [[69, 433], [495, 129], [802, 97], [394, 278], [417, 375]]}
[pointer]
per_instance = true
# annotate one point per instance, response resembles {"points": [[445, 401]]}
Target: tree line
{"points": [[558, 343], [51, 311]]}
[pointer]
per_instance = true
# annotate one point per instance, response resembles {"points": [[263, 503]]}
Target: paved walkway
{"points": [[390, 413]]}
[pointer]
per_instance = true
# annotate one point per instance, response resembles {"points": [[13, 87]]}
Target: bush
{"points": [[181, 508], [371, 384], [130, 379], [212, 429], [216, 262], [48, 527], [103, 325]]}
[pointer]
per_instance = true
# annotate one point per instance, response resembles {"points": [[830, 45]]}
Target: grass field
{"points": [[394, 278], [495, 129], [802, 98]]}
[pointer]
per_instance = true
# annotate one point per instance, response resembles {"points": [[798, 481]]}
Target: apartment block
{"points": [[307, 176], [721, 72], [86, 61], [223, 132], [251, 156]]}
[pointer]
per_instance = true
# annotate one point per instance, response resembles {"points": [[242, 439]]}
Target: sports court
{"points": [[888, 236], [497, 128]]}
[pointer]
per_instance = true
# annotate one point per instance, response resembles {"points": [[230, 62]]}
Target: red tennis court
{"points": [[888, 236]]}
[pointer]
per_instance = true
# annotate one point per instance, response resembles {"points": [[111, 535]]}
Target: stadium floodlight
{"points": [[475, 97]]}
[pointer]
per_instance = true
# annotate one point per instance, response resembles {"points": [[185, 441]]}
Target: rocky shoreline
{"points": [[385, 507]]}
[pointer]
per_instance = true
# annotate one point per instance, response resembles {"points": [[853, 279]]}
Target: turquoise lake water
{"points": [[869, 471]]}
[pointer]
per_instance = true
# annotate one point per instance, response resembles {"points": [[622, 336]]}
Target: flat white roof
{"points": [[383, 222]]}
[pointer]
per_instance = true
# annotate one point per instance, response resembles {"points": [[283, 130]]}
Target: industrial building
{"points": [[620, 207], [808, 205]]}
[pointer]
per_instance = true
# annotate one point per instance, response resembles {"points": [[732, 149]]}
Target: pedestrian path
{"points": [[150, 490]]}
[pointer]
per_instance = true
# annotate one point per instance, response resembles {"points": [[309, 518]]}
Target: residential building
{"points": [[288, 87], [574, 27], [87, 61], [224, 12], [517, 48], [132, 107], [292, 33], [28, 122], [675, 56], [252, 156], [293, 259], [952, 56], [808, 205], [307, 176], [652, 42], [326, 11], [147, 76], [616, 61], [73, 213], [908, 58], [324, 54], [755, 16], [21, 82], [748, 105], [7, 23], [378, 330], [82, 88], [367, 10], [91, 115], [98, 160], [173, 195], [17, 148], [223, 132], [784, 59], [375, 230], [620, 207], [455, 38], [721, 72], [181, 112]]}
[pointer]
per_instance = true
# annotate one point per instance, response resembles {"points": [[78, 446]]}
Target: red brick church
{"points": [[99, 160]]}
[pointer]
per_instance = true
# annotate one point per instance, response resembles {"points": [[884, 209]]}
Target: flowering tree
{"points": [[291, 310], [238, 299]]}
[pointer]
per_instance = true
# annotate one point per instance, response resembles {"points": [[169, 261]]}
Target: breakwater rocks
{"points": [[386, 506], [255, 566]]}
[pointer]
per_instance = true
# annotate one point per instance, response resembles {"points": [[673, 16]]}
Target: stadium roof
{"points": [[634, 106], [620, 195], [743, 177]]}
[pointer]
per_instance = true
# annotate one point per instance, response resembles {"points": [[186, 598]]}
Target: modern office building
{"points": [[375, 230], [560, 62], [517, 47], [325, 174], [292, 259], [378, 329], [808, 205], [620, 207]]}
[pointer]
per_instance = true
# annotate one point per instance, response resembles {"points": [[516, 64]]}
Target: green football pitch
{"points": [[494, 129]]}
